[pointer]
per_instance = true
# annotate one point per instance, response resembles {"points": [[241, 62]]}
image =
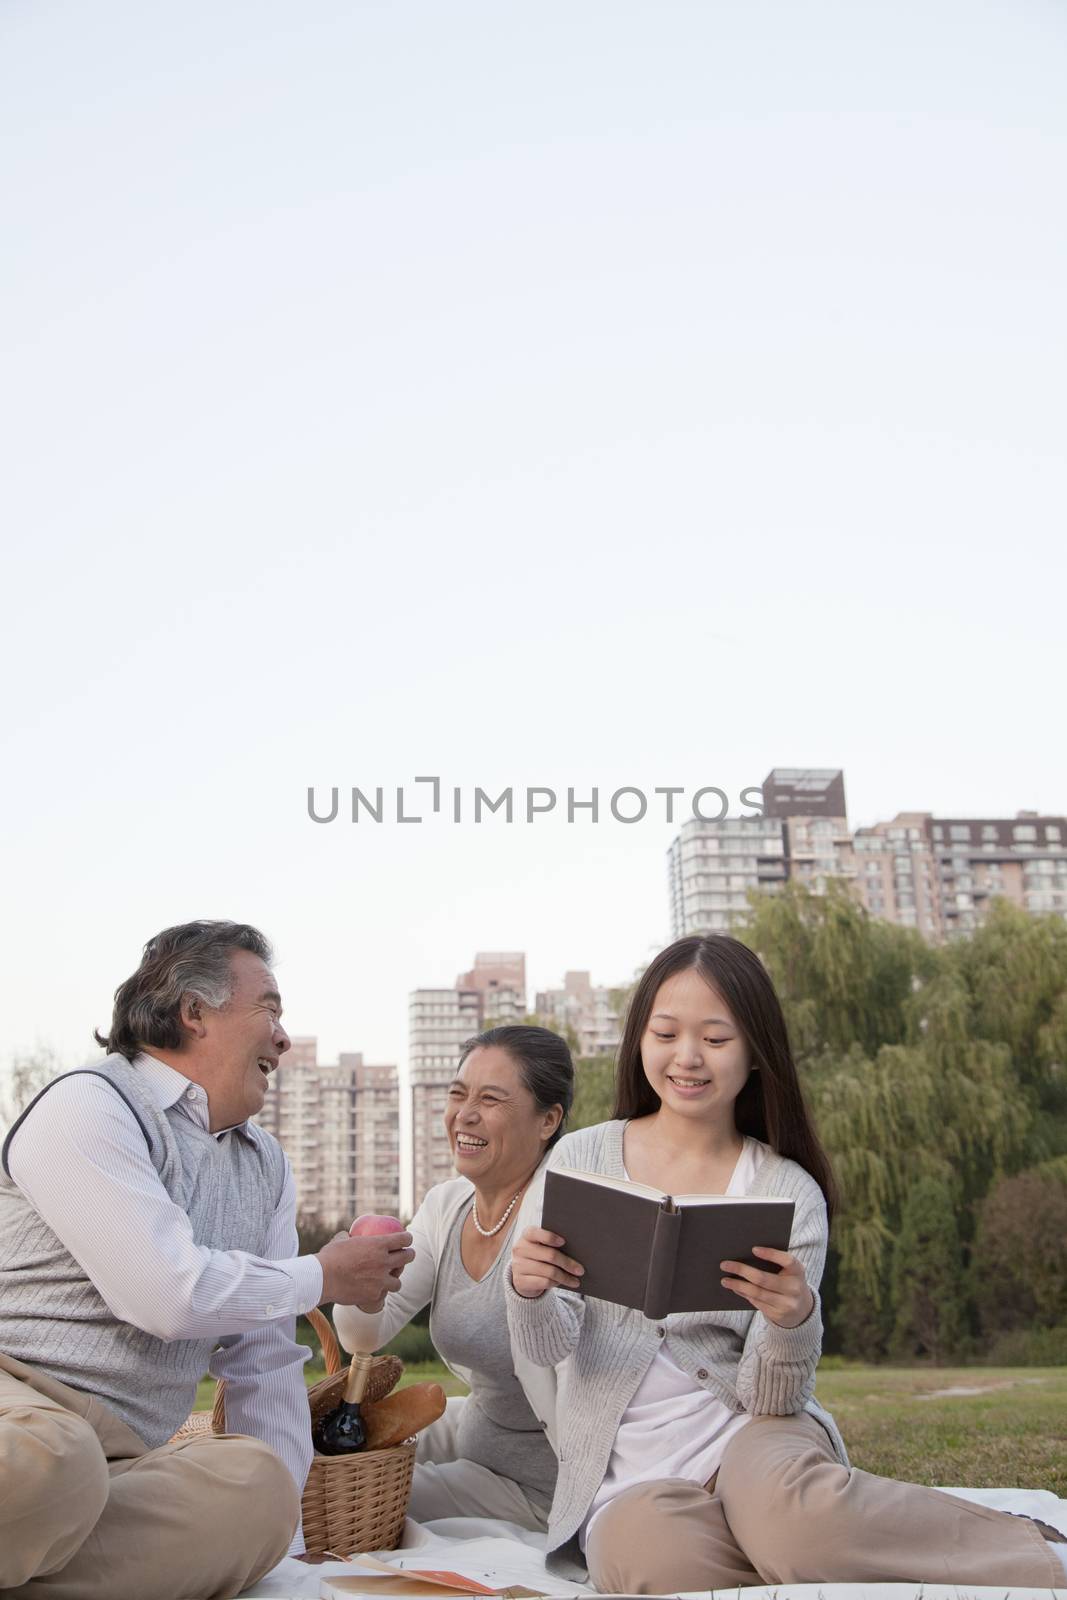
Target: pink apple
{"points": [[371, 1223]]}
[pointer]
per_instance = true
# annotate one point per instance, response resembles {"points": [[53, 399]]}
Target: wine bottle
{"points": [[343, 1431]]}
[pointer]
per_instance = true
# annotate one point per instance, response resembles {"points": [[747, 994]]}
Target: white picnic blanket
{"points": [[500, 1553]]}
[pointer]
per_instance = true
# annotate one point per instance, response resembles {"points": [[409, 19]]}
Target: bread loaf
{"points": [[400, 1414]]}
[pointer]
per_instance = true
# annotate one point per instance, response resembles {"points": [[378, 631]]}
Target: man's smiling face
{"points": [[243, 1042]]}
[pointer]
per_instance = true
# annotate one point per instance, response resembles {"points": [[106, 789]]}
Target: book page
{"points": [[626, 1185], [720, 1199]]}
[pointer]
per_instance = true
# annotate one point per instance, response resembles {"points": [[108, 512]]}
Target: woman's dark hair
{"points": [[192, 958], [543, 1059], [771, 1104]]}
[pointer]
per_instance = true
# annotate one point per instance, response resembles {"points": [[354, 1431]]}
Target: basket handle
{"points": [[331, 1355]]}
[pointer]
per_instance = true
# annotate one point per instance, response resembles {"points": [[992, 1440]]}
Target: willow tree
{"points": [[594, 1091], [905, 1084], [1015, 971], [844, 978], [945, 1104], [929, 1297]]}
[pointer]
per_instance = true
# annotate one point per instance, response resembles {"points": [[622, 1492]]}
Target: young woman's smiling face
{"points": [[693, 1053]]}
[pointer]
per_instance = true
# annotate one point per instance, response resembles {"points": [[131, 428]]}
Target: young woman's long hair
{"points": [[771, 1105]]}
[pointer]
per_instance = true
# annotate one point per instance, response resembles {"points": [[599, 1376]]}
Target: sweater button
{"points": [[702, 1372], [661, 1332]]}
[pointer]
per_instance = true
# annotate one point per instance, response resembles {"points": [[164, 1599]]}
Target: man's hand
{"points": [[362, 1271], [537, 1264]]}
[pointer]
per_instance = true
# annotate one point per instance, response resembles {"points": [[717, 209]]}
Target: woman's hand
{"points": [[785, 1297], [538, 1263]]}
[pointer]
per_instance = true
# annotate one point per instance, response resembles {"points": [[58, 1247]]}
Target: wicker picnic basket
{"points": [[350, 1503]]}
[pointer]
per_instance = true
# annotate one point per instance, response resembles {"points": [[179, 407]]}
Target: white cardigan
{"points": [[429, 1229]]}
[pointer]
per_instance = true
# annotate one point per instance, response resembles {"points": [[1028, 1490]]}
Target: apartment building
{"points": [[499, 976], [897, 877], [713, 865], [803, 834], [1021, 858], [938, 875], [590, 1012], [339, 1126], [376, 1155], [440, 1020]]}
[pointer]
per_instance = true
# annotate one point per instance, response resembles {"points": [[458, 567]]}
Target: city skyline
{"points": [[546, 971]]}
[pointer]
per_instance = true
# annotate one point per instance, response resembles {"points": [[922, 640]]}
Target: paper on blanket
{"points": [[371, 1576]]}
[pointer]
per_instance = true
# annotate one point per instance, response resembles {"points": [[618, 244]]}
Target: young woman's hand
{"points": [[538, 1263], [784, 1297]]}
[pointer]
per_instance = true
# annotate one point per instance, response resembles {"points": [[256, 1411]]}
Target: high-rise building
{"points": [[713, 865], [816, 792], [499, 976], [440, 1022], [896, 875], [376, 1156], [938, 875], [590, 1011], [339, 1126], [1021, 858], [802, 834]]}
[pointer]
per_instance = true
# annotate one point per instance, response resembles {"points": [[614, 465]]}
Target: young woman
{"points": [[492, 1454], [692, 1452]]}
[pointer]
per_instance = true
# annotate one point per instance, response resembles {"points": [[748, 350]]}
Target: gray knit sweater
{"points": [[602, 1351], [54, 1318]]}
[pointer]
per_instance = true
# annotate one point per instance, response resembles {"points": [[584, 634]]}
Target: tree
{"points": [[843, 977], [26, 1076], [928, 1275], [1020, 1252], [594, 1091], [1015, 971], [902, 1082]]}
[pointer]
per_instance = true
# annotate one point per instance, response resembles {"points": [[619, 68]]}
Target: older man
{"points": [[148, 1234]]}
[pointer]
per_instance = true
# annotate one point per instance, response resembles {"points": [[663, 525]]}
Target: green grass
{"points": [[1013, 1432]]}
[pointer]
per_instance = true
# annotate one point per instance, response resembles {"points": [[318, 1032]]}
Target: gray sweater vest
{"points": [[53, 1318]]}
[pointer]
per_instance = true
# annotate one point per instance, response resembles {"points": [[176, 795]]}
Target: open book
{"points": [[658, 1252]]}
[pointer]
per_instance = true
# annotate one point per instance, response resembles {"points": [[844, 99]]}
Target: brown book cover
{"points": [[657, 1252]]}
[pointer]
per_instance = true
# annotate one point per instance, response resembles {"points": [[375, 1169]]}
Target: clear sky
{"points": [[559, 394]]}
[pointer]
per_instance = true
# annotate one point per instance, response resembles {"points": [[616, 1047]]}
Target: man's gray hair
{"points": [[190, 959]]}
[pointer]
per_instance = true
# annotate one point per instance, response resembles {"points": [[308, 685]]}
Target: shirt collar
{"points": [[170, 1088]]}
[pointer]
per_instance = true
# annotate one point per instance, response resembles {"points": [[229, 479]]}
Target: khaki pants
{"points": [[782, 1509], [87, 1512]]}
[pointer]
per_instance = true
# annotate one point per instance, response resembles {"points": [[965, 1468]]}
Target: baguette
{"points": [[400, 1414]]}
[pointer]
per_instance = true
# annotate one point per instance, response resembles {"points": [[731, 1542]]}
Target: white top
{"points": [[87, 1171], [673, 1428]]}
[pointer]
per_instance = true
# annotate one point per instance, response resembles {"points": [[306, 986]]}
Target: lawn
{"points": [[899, 1422], [1010, 1427]]}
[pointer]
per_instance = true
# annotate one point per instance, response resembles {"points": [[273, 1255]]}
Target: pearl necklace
{"points": [[487, 1233]]}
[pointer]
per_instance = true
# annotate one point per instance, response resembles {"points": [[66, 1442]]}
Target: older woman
{"points": [[491, 1454]]}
